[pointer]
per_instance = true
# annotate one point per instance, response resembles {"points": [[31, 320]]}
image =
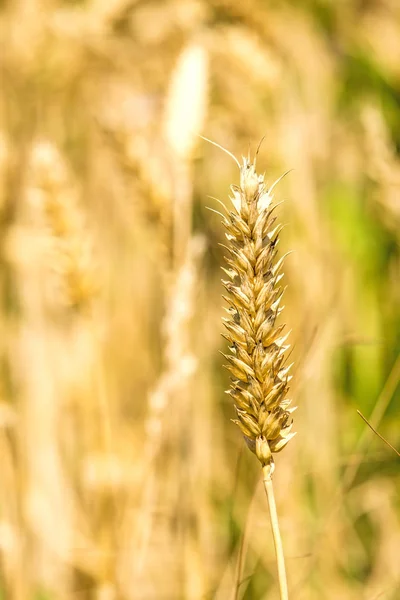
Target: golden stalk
{"points": [[280, 557]]}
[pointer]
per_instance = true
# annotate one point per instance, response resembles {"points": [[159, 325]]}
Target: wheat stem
{"points": [[280, 557]]}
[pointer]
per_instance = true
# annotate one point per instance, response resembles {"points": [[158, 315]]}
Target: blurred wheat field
{"points": [[122, 474]]}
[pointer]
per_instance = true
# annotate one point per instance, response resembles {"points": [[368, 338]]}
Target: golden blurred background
{"points": [[122, 476]]}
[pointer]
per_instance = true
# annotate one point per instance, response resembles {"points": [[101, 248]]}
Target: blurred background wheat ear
{"points": [[122, 476]]}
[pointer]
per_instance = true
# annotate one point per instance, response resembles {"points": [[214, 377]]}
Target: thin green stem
{"points": [[280, 558]]}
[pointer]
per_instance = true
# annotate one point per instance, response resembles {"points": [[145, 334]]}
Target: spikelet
{"points": [[257, 345]]}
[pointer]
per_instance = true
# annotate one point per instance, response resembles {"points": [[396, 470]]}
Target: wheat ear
{"points": [[57, 195], [257, 345]]}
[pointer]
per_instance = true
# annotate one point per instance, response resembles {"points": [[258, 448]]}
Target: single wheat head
{"points": [[257, 345], [54, 189], [257, 359]]}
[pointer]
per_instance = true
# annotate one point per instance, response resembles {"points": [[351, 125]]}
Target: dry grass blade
{"points": [[380, 408], [377, 433]]}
